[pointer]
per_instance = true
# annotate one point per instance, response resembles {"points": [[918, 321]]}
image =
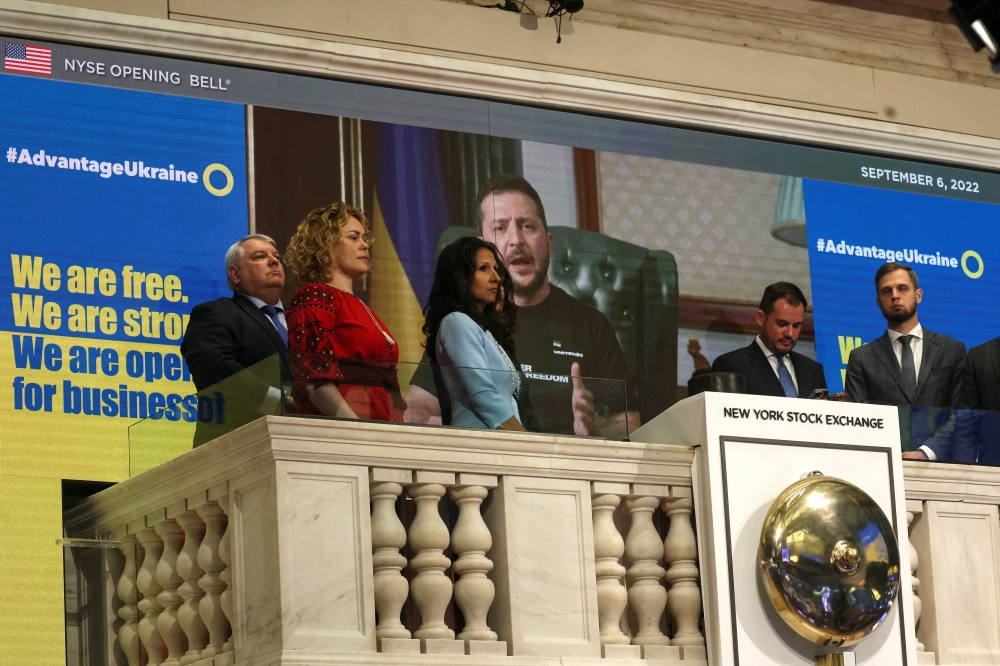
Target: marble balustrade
{"points": [[282, 543], [169, 585], [283, 539]]}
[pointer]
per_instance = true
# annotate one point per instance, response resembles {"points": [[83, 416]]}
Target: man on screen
{"points": [[232, 333], [558, 338], [769, 365], [908, 365]]}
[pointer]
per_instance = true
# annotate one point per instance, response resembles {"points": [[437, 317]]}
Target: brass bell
{"points": [[829, 561]]}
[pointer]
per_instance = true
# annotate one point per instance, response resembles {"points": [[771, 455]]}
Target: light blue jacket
{"points": [[477, 373]]}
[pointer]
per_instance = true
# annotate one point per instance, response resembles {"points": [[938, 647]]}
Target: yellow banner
{"points": [[66, 404]]}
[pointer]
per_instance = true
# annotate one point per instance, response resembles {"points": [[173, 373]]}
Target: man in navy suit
{"points": [[230, 334], [768, 364]]}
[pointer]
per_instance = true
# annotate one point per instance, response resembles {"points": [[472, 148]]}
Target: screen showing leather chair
{"points": [[635, 288]]}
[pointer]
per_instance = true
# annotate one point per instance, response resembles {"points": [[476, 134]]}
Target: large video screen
{"points": [[127, 177]]}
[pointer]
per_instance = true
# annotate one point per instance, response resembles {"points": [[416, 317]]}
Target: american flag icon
{"points": [[28, 59]]}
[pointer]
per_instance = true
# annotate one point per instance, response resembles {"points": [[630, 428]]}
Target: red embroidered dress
{"points": [[333, 337]]}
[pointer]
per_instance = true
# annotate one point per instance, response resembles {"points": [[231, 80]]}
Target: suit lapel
{"points": [[883, 351], [261, 319], [763, 367], [932, 345]]}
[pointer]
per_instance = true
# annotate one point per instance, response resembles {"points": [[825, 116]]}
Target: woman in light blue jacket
{"points": [[470, 318]]}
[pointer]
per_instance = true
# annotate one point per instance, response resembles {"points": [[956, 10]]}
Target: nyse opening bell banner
{"points": [[118, 207], [952, 245]]}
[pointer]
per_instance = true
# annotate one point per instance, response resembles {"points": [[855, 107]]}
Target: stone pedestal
{"points": [[543, 553], [959, 545], [302, 559]]}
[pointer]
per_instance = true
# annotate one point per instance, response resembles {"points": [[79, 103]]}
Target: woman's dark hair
{"points": [[451, 292]]}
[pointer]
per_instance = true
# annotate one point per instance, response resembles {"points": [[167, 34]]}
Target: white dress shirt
{"points": [[260, 304], [772, 358], [916, 345]]}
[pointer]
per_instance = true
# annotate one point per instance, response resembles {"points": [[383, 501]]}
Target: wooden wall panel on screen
{"points": [[588, 189]]}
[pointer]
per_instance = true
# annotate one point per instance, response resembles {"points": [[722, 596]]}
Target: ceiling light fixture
{"points": [[979, 21], [557, 9]]}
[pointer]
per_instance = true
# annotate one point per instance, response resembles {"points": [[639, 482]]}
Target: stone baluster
{"points": [[114, 567], [128, 593], [471, 540], [168, 578], [428, 537], [912, 509], [612, 598], [226, 576], [211, 582], [388, 536], [646, 595], [188, 569], [680, 550], [150, 607]]}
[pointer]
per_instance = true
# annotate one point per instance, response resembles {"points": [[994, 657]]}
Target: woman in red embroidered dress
{"points": [[342, 355]]}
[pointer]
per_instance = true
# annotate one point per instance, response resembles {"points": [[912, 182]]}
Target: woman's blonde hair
{"points": [[308, 254]]}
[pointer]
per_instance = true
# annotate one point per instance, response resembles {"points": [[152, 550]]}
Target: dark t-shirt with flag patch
{"points": [[553, 335]]}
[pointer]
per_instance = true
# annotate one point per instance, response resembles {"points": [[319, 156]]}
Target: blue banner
{"points": [[952, 245], [118, 207], [117, 210]]}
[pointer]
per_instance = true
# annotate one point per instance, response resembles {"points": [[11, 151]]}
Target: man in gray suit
{"points": [[909, 365]]}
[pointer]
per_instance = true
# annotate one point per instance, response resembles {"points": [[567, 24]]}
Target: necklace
{"points": [[510, 364], [389, 342]]}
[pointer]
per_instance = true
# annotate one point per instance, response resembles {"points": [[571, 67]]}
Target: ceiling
{"points": [[928, 10]]}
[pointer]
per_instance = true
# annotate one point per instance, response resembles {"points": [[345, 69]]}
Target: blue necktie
{"points": [[272, 312], [785, 378]]}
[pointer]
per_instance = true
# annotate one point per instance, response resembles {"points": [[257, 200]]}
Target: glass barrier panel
{"points": [[382, 391], [184, 422], [968, 436], [473, 397], [94, 610]]}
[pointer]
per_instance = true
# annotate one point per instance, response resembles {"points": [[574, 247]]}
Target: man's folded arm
{"points": [[209, 348]]}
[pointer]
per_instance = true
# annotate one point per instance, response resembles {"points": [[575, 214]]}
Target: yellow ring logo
{"points": [[965, 264], [221, 192]]}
